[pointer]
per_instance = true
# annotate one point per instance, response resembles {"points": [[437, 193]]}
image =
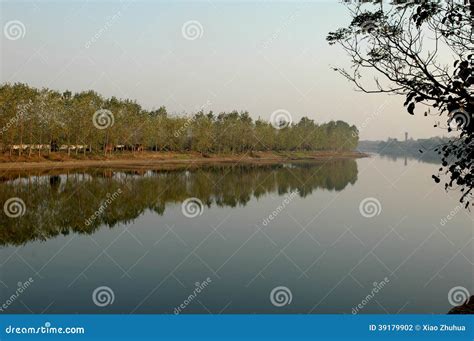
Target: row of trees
{"points": [[86, 122]]}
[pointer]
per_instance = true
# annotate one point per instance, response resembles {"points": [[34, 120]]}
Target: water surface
{"points": [[317, 244]]}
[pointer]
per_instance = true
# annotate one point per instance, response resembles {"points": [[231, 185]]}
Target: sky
{"points": [[256, 56]]}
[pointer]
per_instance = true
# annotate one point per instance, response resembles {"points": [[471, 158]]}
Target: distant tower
{"points": [[406, 139]]}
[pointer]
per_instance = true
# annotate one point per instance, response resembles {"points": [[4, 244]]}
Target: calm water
{"points": [[318, 244]]}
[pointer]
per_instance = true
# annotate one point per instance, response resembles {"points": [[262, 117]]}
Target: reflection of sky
{"points": [[331, 255], [255, 56]]}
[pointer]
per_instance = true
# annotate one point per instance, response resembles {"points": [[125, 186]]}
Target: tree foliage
{"points": [[422, 50], [69, 122]]}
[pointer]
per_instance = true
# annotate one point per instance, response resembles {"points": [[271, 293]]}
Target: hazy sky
{"points": [[259, 56]]}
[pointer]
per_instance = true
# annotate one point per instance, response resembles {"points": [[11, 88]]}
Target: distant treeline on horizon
{"points": [[423, 149], [43, 120]]}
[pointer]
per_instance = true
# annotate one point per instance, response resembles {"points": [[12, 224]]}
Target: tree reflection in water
{"points": [[61, 203]]}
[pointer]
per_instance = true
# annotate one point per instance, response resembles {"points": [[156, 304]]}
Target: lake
{"points": [[371, 235]]}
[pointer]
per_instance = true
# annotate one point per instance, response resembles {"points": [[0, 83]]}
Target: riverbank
{"points": [[158, 160]]}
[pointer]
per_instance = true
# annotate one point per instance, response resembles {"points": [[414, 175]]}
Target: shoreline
{"points": [[166, 160]]}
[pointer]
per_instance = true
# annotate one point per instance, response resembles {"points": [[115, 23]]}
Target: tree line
{"points": [[420, 149], [42, 120]]}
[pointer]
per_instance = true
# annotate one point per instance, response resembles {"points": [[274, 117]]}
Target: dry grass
{"points": [[143, 159]]}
